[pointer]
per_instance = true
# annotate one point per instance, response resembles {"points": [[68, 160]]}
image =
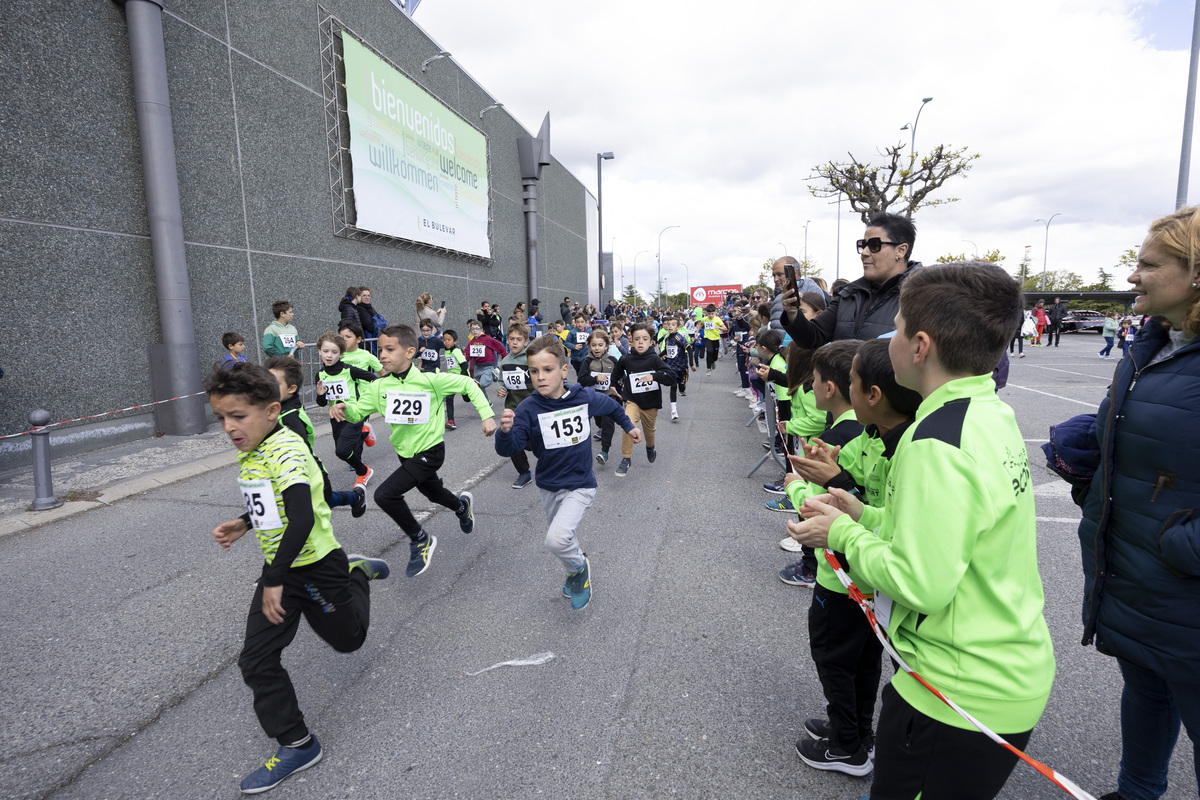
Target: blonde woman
{"points": [[425, 310]]}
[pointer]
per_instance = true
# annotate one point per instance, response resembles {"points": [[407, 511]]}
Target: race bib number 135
{"points": [[259, 499]]}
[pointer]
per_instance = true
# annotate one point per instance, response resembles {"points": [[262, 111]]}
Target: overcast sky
{"points": [[717, 113]]}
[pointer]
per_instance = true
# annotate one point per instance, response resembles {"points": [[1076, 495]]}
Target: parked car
{"points": [[1081, 321]]}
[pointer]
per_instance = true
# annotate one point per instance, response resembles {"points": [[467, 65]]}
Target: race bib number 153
{"points": [[564, 428]]}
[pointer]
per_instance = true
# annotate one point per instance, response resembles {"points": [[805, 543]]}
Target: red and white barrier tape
{"points": [[857, 596], [97, 416]]}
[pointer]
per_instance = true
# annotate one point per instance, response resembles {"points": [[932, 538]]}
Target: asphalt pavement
{"points": [[689, 673]]}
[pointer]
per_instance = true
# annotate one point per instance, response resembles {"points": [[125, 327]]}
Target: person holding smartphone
{"points": [[865, 308], [425, 311]]}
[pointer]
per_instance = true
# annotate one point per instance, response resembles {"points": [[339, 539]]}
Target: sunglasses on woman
{"points": [[874, 244]]}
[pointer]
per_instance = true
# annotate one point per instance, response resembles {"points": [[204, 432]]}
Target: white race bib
{"points": [[259, 499], [514, 378], [640, 382], [581, 337], [451, 363], [337, 390], [564, 428], [476, 351], [741, 335], [602, 380], [406, 408], [288, 339], [883, 609], [672, 351], [710, 324], [429, 354]]}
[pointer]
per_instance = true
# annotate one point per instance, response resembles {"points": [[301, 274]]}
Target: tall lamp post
{"points": [[912, 145], [600, 159], [688, 275], [658, 287], [1046, 247], [635, 289], [784, 246], [806, 242], [968, 241]]}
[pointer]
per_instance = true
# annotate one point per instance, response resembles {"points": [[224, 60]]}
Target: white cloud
{"points": [[717, 113]]}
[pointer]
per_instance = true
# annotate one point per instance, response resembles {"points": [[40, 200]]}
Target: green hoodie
{"points": [[954, 547], [279, 339], [412, 406]]}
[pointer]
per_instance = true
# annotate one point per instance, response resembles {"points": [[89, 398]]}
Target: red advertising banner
{"points": [[703, 295]]}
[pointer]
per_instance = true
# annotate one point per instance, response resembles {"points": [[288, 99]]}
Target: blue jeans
{"points": [[1109, 342], [1151, 710]]}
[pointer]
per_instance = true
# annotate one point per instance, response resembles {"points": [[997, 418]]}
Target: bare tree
{"points": [[872, 189]]}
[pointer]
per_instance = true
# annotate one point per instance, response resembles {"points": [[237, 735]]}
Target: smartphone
{"points": [[443, 304], [790, 274]]}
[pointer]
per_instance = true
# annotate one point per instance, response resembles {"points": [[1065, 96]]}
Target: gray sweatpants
{"points": [[564, 511]]}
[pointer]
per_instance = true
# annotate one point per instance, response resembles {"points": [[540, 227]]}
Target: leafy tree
{"points": [[1024, 269], [764, 277], [808, 269], [904, 183], [631, 295], [679, 300], [992, 256], [1057, 280]]}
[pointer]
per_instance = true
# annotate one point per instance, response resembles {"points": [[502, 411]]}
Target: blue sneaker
{"points": [[376, 569], [579, 586], [419, 554], [602, 457], [773, 488], [466, 517], [523, 480], [794, 575], [623, 467], [782, 504], [286, 761]]}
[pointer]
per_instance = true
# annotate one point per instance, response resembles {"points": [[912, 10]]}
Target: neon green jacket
{"points": [[955, 548], [412, 405], [807, 420]]}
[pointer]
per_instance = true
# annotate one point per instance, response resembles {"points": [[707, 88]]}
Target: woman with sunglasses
{"points": [[865, 308]]}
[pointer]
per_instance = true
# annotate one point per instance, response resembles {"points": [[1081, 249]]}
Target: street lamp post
{"points": [[784, 246], [658, 287], [912, 145], [687, 274], [1046, 247], [968, 241], [806, 242], [635, 289], [600, 159]]}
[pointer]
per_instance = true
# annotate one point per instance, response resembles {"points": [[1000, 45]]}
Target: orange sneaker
{"points": [[361, 480], [369, 441]]}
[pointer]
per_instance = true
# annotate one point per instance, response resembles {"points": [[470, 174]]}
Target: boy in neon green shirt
{"points": [[411, 402], [306, 575], [952, 554]]}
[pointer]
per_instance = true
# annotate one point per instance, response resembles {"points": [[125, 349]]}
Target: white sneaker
{"points": [[739, 390], [791, 545]]}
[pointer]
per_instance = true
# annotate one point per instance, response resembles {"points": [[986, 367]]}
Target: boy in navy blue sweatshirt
{"points": [[554, 423]]}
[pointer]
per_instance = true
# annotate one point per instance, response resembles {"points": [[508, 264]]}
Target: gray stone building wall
{"points": [[79, 308]]}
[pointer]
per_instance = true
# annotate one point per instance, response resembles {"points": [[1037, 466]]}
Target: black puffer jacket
{"points": [[861, 310]]}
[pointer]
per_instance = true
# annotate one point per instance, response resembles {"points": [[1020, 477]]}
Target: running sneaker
{"points": [[368, 435], [773, 488], [450, 426], [791, 545], [602, 457], [794, 575], [359, 506], [376, 569], [651, 454], [522, 480], [365, 478], [286, 761], [465, 514], [623, 467], [420, 553], [595, 437], [823, 754], [579, 586], [821, 729], [674, 416]]}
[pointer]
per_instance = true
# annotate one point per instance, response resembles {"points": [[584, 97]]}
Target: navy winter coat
{"points": [[1140, 533]]}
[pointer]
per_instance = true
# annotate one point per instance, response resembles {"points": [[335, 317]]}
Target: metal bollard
{"points": [[43, 484]]}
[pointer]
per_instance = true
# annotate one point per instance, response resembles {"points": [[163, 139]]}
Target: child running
{"points": [[482, 354], [674, 354], [844, 648], [356, 356], [554, 423], [597, 373], [638, 375], [337, 382], [290, 375], [952, 554], [515, 386], [429, 348], [456, 362], [306, 574], [411, 404]]}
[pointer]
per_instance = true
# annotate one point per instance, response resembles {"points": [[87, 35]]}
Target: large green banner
{"points": [[420, 170]]}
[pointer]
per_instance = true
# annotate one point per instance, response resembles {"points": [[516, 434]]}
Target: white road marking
{"points": [[1057, 396]]}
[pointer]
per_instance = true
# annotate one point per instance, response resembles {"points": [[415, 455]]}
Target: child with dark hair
{"points": [[674, 354], [280, 338], [456, 363], [306, 573], [844, 648], [235, 349], [962, 599], [430, 347], [515, 386], [639, 376], [597, 373]]}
